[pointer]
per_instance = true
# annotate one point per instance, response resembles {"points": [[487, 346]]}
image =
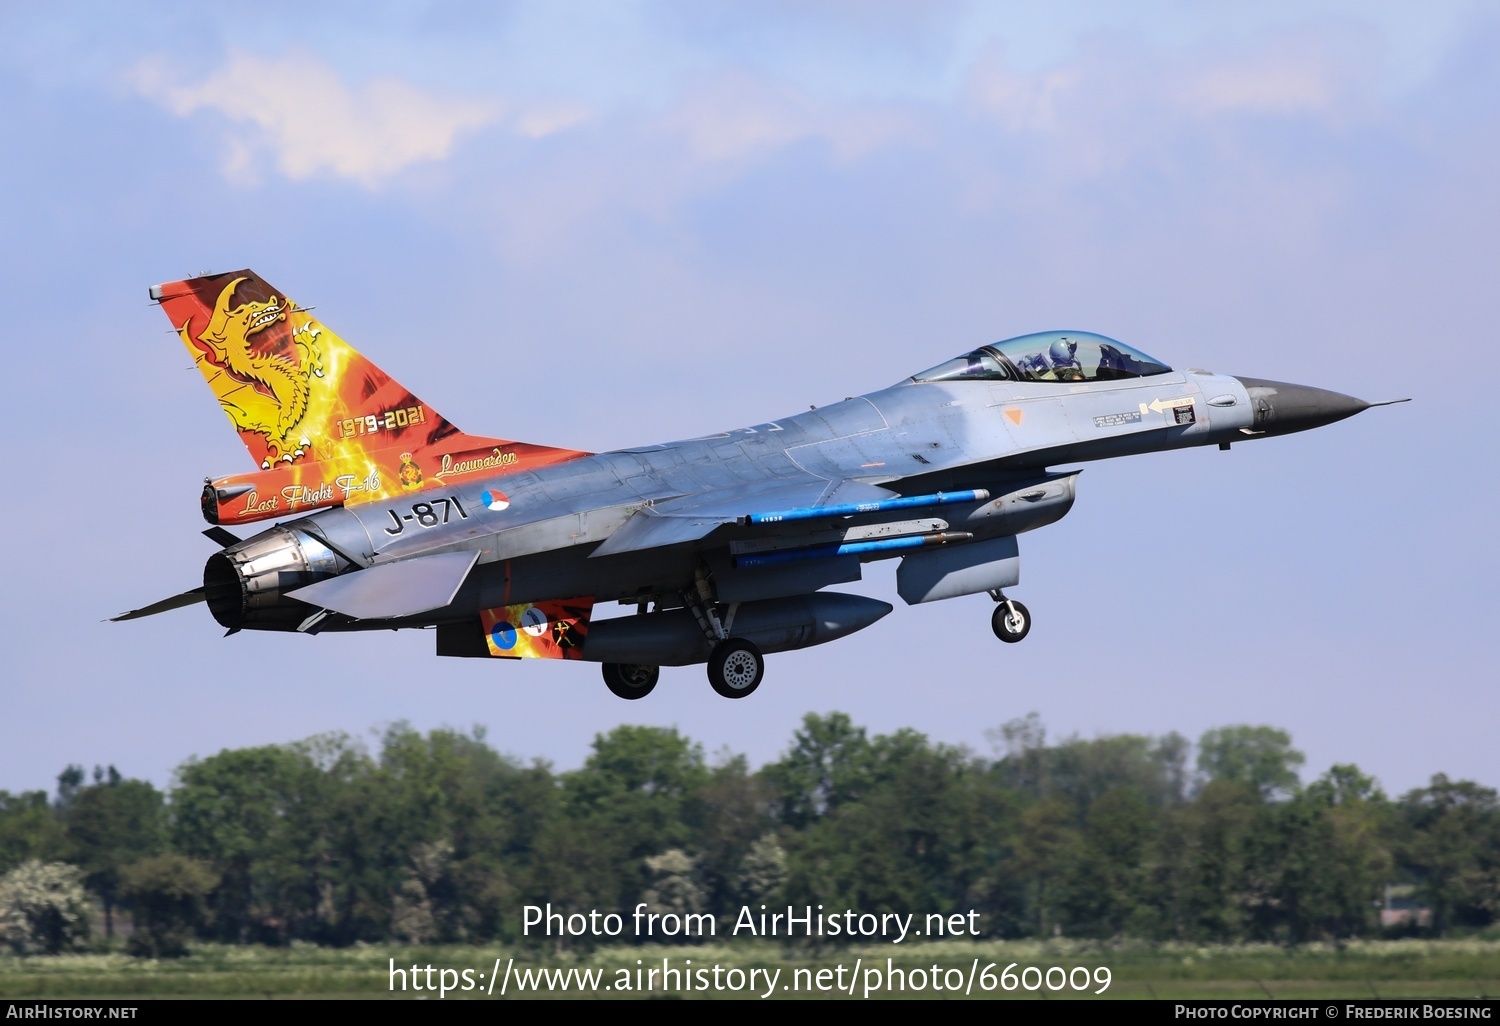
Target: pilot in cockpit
{"points": [[1063, 355]]}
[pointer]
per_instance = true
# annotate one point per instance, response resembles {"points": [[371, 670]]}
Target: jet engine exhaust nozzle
{"points": [[245, 585]]}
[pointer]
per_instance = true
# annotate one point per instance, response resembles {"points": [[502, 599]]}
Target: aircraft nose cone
{"points": [[1281, 408]]}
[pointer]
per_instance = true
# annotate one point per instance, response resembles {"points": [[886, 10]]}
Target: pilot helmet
{"points": [[1062, 351]]}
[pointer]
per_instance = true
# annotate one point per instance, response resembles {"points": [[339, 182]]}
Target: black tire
{"points": [[1008, 628], [630, 681], [735, 668]]}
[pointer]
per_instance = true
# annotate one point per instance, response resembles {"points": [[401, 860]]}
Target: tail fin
{"points": [[312, 410]]}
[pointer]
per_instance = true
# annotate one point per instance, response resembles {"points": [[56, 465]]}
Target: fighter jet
{"points": [[390, 517]]}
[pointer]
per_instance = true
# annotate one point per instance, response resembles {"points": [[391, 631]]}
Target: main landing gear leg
{"points": [[1011, 621], [735, 665]]}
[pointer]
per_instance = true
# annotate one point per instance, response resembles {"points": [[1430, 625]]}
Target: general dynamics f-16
{"points": [[391, 517]]}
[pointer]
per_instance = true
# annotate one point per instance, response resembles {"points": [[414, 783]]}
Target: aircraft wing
{"points": [[691, 517]]}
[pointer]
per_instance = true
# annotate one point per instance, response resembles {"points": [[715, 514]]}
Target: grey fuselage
{"points": [[912, 438]]}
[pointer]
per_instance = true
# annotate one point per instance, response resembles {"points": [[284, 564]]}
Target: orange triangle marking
{"points": [[1014, 415]]}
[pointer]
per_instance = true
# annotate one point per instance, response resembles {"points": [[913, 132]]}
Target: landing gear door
{"points": [[948, 572]]}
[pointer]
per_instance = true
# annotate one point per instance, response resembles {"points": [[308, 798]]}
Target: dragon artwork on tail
{"points": [[325, 425], [263, 389]]}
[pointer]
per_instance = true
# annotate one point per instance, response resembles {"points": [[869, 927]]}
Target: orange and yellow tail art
{"points": [[326, 425]]}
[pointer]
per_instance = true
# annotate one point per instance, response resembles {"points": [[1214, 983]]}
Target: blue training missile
{"points": [[850, 509], [910, 541]]}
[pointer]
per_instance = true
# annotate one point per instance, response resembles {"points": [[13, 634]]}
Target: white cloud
{"points": [[738, 117], [1020, 102], [1287, 76], [549, 120], [1268, 83], [1119, 104], [297, 109]]}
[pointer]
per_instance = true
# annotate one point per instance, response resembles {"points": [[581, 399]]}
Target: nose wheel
{"points": [[1011, 621], [735, 668], [630, 681]]}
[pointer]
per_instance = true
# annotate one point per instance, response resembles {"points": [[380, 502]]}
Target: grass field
{"points": [[1386, 969]]}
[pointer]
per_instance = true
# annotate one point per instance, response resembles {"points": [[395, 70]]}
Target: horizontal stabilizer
{"points": [[392, 590], [187, 598]]}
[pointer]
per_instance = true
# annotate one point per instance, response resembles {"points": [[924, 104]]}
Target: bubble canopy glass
{"points": [[1048, 356]]}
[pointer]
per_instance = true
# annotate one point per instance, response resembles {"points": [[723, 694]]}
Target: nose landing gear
{"points": [[1011, 621]]}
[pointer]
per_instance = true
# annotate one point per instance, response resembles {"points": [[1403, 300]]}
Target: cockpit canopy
{"points": [[1048, 356]]}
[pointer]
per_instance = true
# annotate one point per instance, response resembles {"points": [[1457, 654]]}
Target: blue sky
{"points": [[600, 225]]}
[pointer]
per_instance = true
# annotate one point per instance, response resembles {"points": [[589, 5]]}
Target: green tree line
{"points": [[438, 838]]}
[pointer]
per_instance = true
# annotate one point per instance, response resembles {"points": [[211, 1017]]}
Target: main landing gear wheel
{"points": [[1011, 621], [735, 668], [630, 681]]}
